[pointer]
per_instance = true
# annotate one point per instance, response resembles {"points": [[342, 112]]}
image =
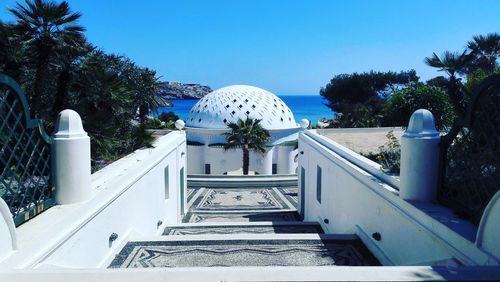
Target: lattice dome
{"points": [[229, 103]]}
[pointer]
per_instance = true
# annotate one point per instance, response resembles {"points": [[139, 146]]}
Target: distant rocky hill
{"points": [[182, 91]]}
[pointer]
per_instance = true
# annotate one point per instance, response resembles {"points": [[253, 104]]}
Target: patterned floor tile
{"points": [[242, 204], [244, 229], [243, 253]]}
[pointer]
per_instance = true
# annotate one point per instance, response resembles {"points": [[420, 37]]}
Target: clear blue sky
{"points": [[283, 46]]}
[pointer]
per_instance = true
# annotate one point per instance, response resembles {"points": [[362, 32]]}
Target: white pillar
{"points": [[71, 153], [267, 162], [420, 158], [292, 165]]}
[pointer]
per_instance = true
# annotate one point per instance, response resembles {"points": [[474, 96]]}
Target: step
{"points": [[241, 181], [245, 228], [196, 217], [245, 250]]}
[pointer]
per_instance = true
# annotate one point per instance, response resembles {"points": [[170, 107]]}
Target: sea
{"points": [[311, 107]]}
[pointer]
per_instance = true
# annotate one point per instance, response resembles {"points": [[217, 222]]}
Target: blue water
{"points": [[310, 107]]}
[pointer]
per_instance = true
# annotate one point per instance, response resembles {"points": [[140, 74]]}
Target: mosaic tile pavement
{"points": [[244, 229], [243, 253], [241, 205], [275, 204]]}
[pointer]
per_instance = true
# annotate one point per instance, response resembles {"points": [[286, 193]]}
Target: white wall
{"points": [[8, 240], [356, 202], [196, 159], [222, 161], [129, 199]]}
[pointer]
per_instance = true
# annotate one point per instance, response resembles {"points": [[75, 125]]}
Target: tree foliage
{"points": [[359, 97], [249, 135], [46, 28], [478, 60], [398, 110], [46, 52], [438, 81], [168, 116], [472, 144]]}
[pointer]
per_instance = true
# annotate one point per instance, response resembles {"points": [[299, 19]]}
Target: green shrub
{"points": [[155, 123], [168, 116], [388, 155], [404, 102], [360, 97]]}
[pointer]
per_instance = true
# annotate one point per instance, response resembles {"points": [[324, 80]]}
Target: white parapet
{"points": [[71, 159], [488, 234], [8, 239], [420, 158]]}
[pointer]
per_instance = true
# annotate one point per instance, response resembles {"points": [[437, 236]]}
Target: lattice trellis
{"points": [[25, 172], [471, 154]]}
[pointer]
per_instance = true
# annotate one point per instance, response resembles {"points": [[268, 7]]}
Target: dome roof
{"points": [[229, 103]]}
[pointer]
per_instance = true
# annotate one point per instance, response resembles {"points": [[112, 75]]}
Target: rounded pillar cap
{"points": [[421, 125], [180, 124], [69, 125], [304, 123]]}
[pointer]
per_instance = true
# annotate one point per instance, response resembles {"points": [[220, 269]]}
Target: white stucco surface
{"points": [[420, 147], [207, 124], [356, 201], [71, 159], [222, 161], [8, 239], [130, 198], [488, 237], [228, 104], [284, 273]]}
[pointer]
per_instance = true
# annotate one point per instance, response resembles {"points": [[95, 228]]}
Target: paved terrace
{"points": [[251, 226]]}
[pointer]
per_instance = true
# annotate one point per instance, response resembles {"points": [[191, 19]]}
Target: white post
{"points": [[420, 158], [267, 161], [71, 159]]}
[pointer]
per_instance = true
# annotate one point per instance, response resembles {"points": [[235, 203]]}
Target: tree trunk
{"points": [[246, 160], [143, 112], [40, 80], [62, 91], [455, 97]]}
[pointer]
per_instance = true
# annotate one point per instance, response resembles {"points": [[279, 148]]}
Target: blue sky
{"points": [[283, 46]]}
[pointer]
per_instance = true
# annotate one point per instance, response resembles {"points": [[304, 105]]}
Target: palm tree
{"points": [[453, 64], [67, 61], [45, 26], [486, 50], [146, 89], [11, 55], [249, 135]]}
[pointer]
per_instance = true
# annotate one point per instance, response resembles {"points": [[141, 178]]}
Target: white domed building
{"points": [[208, 120]]}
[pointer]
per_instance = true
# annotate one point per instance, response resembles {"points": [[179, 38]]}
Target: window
{"points": [[166, 174], [207, 168], [275, 169], [318, 184]]}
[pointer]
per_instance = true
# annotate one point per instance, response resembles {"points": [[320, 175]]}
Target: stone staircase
{"points": [[243, 227]]}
